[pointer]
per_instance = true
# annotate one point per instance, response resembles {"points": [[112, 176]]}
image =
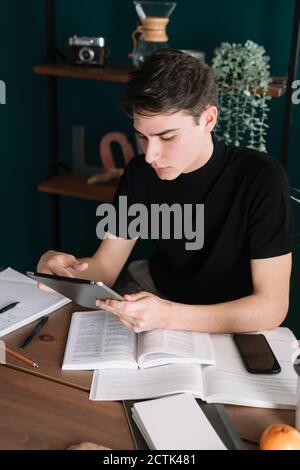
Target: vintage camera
{"points": [[86, 51]]}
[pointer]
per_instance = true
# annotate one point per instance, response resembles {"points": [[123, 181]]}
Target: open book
{"points": [[34, 302], [225, 382], [98, 340]]}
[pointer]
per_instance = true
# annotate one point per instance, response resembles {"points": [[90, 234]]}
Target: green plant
{"points": [[243, 74]]}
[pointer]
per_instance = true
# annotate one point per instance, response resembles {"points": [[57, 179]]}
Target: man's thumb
{"points": [[81, 266]]}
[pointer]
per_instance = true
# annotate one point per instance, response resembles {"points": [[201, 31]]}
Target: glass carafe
{"points": [[151, 34]]}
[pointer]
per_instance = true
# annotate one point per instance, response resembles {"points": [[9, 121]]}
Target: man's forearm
{"points": [[94, 272], [251, 313]]}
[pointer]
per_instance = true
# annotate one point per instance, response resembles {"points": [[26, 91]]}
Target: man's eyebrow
{"points": [[159, 133]]}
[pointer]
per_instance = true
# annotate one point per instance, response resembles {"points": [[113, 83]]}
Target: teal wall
{"points": [[197, 24]]}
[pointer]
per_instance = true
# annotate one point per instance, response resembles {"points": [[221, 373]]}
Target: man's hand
{"points": [[139, 312], [60, 264]]}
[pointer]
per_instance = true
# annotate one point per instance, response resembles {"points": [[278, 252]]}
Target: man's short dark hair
{"points": [[171, 80]]}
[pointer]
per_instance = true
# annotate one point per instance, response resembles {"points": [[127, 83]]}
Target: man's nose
{"points": [[153, 152]]}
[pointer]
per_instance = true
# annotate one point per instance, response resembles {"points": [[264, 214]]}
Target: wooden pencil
{"points": [[21, 357]]}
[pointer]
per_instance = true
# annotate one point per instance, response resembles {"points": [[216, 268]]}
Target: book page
{"points": [[10, 274], [98, 340], [229, 382], [158, 347], [148, 383]]}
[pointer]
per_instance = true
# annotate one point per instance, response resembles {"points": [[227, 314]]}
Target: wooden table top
{"points": [[38, 413], [249, 422], [47, 349]]}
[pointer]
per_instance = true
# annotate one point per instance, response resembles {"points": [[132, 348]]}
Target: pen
{"points": [[34, 332], [8, 307], [21, 358]]}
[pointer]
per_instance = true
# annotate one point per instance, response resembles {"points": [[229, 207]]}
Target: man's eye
{"points": [[168, 138], [142, 137]]}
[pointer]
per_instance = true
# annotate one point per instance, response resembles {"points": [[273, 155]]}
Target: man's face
{"points": [[174, 143]]}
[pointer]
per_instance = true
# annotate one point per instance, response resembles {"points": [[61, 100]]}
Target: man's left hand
{"points": [[139, 312]]}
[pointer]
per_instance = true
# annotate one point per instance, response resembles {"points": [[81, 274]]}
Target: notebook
{"points": [[215, 413], [175, 423], [34, 302]]}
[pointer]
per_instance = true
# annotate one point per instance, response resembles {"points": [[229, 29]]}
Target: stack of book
{"points": [[130, 366]]}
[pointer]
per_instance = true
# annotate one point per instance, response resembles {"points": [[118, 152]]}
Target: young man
{"points": [[238, 281]]}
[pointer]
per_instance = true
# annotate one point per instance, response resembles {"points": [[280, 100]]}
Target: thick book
{"points": [[33, 302], [225, 382], [214, 412], [98, 340], [175, 423]]}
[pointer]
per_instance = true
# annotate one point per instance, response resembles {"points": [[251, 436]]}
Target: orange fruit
{"points": [[280, 437]]}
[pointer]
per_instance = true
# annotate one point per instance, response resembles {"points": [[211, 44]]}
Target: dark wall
{"points": [[24, 222], [195, 24]]}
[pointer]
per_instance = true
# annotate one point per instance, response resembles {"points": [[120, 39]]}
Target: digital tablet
{"points": [[81, 291]]}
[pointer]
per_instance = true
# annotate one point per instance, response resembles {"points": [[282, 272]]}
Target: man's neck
{"points": [[206, 154]]}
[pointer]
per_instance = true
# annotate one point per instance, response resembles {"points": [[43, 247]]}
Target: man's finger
{"points": [[136, 296], [128, 319], [64, 272], [107, 308], [45, 288], [125, 307], [127, 324], [113, 304]]}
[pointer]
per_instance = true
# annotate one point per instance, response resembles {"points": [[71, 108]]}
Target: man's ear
{"points": [[210, 116]]}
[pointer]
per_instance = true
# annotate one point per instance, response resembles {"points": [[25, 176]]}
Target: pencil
{"points": [[21, 358]]}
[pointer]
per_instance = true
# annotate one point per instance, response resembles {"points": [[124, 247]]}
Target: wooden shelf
{"points": [[112, 72], [76, 186], [120, 73], [277, 87]]}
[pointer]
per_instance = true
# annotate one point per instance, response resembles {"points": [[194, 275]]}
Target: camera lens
{"points": [[86, 54]]}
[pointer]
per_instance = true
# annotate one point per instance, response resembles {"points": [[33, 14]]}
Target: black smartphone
{"points": [[256, 354]]}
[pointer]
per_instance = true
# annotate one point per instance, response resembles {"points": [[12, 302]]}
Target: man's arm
{"points": [[265, 309], [105, 265], [108, 261]]}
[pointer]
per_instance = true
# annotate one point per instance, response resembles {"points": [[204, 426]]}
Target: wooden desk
{"points": [[249, 422], [38, 413], [49, 354]]}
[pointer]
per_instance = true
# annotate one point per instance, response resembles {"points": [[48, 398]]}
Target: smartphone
{"points": [[256, 354]]}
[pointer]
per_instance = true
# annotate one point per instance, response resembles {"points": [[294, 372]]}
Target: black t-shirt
{"points": [[247, 215]]}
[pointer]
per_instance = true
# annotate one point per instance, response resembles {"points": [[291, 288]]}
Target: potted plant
{"points": [[243, 74]]}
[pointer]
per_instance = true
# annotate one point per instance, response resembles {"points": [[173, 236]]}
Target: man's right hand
{"points": [[60, 264]]}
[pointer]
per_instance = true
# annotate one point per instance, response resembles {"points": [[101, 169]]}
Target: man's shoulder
{"points": [[253, 161]]}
